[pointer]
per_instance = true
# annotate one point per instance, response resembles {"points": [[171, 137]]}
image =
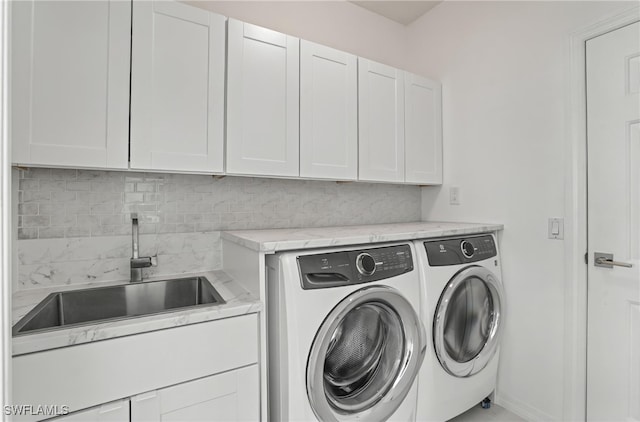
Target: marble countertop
{"points": [[238, 302], [275, 240]]}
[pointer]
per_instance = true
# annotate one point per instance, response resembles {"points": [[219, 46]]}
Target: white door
{"points": [[263, 100], [177, 88], [422, 130], [328, 113], [117, 411], [613, 116], [381, 122], [70, 83], [227, 397]]}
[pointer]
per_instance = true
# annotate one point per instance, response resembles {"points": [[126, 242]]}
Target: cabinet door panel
{"points": [[70, 83], [230, 396], [177, 92], [117, 411], [381, 122], [133, 364], [423, 130], [262, 101], [328, 113]]}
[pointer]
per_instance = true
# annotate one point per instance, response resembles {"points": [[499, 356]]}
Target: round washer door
{"points": [[365, 356], [467, 321]]}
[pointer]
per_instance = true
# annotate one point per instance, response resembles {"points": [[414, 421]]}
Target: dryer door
{"points": [[365, 356], [467, 322]]}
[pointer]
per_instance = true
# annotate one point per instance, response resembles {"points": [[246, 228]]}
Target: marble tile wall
{"points": [[74, 225], [59, 203], [62, 261]]}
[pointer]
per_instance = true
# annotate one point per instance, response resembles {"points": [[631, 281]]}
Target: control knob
{"points": [[365, 264], [467, 249]]}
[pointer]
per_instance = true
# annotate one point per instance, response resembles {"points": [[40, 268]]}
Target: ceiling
{"points": [[403, 12]]}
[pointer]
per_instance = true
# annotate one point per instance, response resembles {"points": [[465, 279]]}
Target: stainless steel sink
{"points": [[77, 307]]}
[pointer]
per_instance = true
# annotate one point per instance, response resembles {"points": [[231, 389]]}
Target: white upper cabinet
{"points": [[262, 101], [177, 88], [328, 113], [423, 130], [70, 83], [381, 122]]}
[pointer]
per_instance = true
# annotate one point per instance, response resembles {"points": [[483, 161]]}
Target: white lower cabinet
{"points": [[185, 366], [117, 411], [231, 396]]}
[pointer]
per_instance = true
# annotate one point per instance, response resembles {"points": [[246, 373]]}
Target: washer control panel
{"points": [[354, 267], [460, 250]]}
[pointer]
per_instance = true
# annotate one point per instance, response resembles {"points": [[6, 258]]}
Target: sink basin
{"points": [[85, 306]]}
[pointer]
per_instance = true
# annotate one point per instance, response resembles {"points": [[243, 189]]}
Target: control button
{"points": [[467, 249], [365, 264]]}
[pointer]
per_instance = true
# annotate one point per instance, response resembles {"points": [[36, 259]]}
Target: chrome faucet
{"points": [[138, 262]]}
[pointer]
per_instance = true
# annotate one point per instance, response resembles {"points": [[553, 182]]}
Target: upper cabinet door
{"points": [[381, 122], [177, 88], [423, 130], [328, 113], [262, 101], [70, 83]]}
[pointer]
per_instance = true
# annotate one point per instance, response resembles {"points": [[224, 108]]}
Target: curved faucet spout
{"points": [[137, 263]]}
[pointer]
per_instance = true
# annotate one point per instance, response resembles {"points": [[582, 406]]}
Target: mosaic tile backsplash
{"points": [[74, 226], [54, 203]]}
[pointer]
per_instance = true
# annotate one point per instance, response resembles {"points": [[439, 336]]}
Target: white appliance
{"points": [[462, 309], [344, 333]]}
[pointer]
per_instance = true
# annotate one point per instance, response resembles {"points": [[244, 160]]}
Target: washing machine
{"points": [[345, 339], [462, 308]]}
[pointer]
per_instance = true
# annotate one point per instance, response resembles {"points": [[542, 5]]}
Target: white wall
{"points": [[337, 24], [503, 66]]}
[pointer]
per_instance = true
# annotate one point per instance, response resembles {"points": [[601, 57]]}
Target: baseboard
{"points": [[524, 410]]}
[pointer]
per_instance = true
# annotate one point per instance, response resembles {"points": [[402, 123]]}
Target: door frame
{"points": [[575, 247], [5, 214]]}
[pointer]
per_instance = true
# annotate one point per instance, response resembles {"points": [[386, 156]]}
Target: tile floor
{"points": [[493, 414]]}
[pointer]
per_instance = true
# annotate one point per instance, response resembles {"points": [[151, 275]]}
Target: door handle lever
{"points": [[605, 260]]}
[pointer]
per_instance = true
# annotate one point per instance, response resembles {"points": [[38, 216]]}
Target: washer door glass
{"points": [[365, 356], [467, 321]]}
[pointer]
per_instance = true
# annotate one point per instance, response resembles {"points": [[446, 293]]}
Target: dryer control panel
{"points": [[460, 250], [354, 267]]}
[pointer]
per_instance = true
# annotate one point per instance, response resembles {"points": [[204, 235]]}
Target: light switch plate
{"points": [[454, 195], [556, 228]]}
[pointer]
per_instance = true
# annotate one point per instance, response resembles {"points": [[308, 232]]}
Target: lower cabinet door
{"points": [[116, 411], [230, 396]]}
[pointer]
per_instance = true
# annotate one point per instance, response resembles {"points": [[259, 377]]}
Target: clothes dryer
{"points": [[462, 308], [345, 340]]}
